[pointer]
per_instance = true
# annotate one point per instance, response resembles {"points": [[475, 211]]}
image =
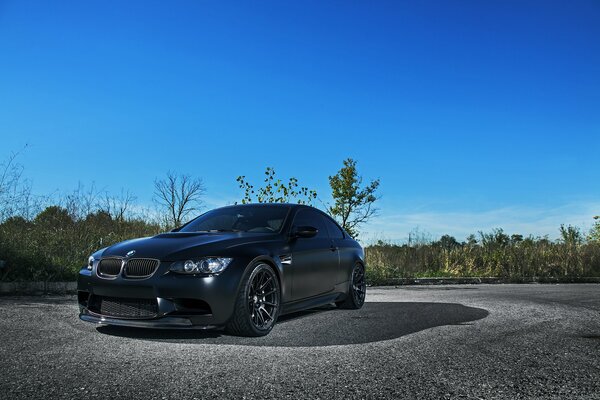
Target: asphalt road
{"points": [[478, 341]]}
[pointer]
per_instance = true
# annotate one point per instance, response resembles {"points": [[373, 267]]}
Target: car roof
{"points": [[292, 205]]}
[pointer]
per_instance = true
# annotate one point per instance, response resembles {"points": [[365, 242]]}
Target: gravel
{"points": [[460, 341]]}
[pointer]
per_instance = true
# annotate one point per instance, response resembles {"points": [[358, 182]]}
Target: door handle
{"points": [[334, 248]]}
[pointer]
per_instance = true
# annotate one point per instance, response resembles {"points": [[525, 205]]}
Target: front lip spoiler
{"points": [[162, 323]]}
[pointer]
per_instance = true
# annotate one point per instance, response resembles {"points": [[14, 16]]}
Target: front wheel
{"points": [[357, 290], [257, 304]]}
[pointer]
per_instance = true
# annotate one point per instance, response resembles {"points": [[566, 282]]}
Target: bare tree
{"points": [[119, 206], [179, 195], [82, 202], [16, 198]]}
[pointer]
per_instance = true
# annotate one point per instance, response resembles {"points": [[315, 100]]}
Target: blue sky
{"points": [[473, 114]]}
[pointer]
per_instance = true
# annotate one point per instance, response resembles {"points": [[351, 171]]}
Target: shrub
{"points": [[54, 246], [495, 254]]}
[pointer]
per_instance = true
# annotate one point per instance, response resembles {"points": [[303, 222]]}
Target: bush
{"points": [[495, 254], [54, 246]]}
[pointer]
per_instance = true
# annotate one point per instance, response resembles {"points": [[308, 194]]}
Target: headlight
{"points": [[208, 265], [90, 264]]}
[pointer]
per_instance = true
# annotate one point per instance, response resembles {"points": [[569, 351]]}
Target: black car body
{"points": [[237, 267]]}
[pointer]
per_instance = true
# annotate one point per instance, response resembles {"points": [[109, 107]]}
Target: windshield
{"points": [[261, 219]]}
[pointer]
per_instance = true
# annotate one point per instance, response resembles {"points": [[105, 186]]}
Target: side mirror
{"points": [[175, 229], [305, 231]]}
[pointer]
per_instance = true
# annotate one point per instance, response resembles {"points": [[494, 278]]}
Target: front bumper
{"points": [[160, 323], [171, 293]]}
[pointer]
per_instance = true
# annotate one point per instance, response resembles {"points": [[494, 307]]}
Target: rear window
{"points": [[335, 232]]}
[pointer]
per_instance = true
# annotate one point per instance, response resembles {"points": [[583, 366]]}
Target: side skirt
{"points": [[312, 302]]}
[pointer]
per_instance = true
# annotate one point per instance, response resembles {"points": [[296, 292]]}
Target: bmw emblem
{"points": [[130, 253]]}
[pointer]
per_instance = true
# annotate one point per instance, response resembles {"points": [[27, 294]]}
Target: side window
{"points": [[311, 218], [334, 231]]}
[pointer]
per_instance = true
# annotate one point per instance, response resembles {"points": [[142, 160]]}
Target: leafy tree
{"points": [[472, 240], [448, 242], [178, 195], [594, 234], [570, 235], [101, 220], [54, 217], [571, 239], [275, 191], [353, 203], [495, 239], [516, 238]]}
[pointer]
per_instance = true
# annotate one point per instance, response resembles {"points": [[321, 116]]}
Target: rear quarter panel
{"points": [[350, 253]]}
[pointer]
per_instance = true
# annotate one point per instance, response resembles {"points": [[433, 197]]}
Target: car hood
{"points": [[178, 245]]}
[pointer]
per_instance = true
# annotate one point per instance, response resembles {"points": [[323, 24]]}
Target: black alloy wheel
{"points": [[263, 298], [258, 303], [357, 290]]}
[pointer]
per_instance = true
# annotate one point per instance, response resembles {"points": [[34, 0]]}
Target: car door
{"points": [[314, 260], [345, 254]]}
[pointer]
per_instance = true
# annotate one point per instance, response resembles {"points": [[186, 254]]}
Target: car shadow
{"points": [[326, 326]]}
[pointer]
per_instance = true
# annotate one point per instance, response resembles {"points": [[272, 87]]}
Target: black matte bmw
{"points": [[238, 267]]}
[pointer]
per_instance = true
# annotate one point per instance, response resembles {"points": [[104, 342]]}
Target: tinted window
{"points": [[311, 218], [334, 231], [263, 219]]}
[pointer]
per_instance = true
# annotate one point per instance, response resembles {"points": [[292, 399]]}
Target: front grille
{"points": [[140, 267], [124, 307], [109, 267]]}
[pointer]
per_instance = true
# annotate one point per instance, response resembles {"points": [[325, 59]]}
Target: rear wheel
{"points": [[357, 290], [257, 304]]}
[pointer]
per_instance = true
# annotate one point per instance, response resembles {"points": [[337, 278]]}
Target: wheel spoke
{"points": [[260, 316], [258, 280], [359, 276], [266, 312], [265, 283]]}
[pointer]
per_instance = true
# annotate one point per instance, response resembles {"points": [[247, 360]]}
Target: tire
{"points": [[357, 290], [257, 304]]}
